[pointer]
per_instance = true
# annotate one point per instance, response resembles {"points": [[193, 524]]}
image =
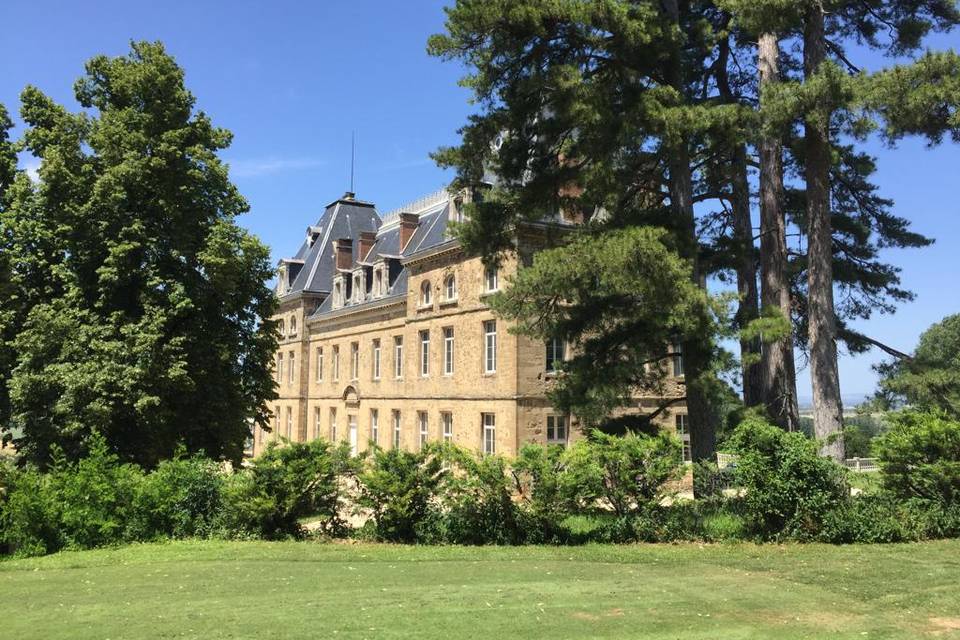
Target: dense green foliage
{"points": [[920, 457], [133, 305], [603, 488], [929, 379], [787, 486], [621, 300], [400, 490]]}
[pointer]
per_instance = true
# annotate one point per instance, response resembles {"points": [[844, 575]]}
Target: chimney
{"points": [[408, 224], [367, 240], [343, 248]]}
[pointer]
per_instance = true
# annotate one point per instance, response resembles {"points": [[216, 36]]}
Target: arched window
{"points": [[450, 287], [425, 293], [280, 328], [293, 326]]}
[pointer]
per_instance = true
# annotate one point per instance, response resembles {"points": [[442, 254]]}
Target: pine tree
{"points": [[583, 112], [145, 303]]}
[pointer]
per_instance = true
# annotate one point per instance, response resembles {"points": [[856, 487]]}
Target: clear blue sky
{"points": [[292, 79]]}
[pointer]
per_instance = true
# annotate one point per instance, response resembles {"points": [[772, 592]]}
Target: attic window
{"points": [[378, 282]]}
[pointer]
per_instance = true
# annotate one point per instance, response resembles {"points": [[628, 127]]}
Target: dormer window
{"points": [[425, 292], [293, 326], [337, 293], [281, 328], [378, 282], [282, 281], [357, 287], [450, 287]]}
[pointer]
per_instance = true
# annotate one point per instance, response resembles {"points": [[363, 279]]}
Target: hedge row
{"points": [[604, 488]]}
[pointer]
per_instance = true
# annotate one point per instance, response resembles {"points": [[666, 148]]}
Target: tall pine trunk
{"points": [[749, 306], [777, 369], [827, 407], [697, 350]]}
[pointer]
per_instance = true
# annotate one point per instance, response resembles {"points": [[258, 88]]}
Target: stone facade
{"points": [[408, 350]]}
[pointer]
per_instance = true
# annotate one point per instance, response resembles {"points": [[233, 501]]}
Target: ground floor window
{"points": [[447, 419], [333, 425], [557, 429], [489, 433], [683, 432], [396, 429], [374, 426], [424, 428]]}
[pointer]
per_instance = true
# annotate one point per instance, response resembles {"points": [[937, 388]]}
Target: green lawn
{"points": [[313, 590]]}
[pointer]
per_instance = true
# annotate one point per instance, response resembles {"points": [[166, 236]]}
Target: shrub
{"points": [[28, 514], [399, 490], [919, 457], [787, 486], [286, 483], [722, 525], [94, 496], [478, 501], [181, 498], [624, 473], [536, 473]]}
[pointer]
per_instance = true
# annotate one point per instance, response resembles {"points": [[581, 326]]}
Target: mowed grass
{"points": [[204, 589]]}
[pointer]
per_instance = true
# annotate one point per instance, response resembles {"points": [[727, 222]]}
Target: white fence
{"points": [[859, 465]]}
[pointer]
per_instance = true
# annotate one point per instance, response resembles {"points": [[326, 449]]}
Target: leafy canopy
{"points": [[139, 307]]}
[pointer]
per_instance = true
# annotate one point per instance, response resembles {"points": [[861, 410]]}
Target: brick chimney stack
{"points": [[408, 224], [343, 248], [367, 240]]}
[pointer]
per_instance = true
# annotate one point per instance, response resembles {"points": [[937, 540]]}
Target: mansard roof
{"points": [[345, 217], [313, 267]]}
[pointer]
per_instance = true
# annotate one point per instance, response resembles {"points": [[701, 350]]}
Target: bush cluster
{"points": [[601, 489]]}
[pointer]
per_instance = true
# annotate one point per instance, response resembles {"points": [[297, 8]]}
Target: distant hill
{"points": [[850, 400]]}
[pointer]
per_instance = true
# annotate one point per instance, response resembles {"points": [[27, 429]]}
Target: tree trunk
{"points": [[777, 372], [696, 350], [748, 308], [827, 407]]}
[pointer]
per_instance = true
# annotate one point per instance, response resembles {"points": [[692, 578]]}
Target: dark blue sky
{"points": [[293, 79]]}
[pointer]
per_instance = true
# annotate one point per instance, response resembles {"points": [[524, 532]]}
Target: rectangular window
{"points": [[448, 351], [279, 367], [489, 433], [555, 355], [491, 280], [447, 419], [293, 368], [490, 346], [316, 422], [333, 425], [398, 357], [396, 429], [424, 428], [374, 426], [677, 352], [354, 360], [424, 353], [684, 434], [319, 364], [289, 422], [376, 359], [557, 429], [336, 362]]}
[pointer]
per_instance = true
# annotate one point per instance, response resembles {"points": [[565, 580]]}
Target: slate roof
{"points": [[343, 218], [312, 268]]}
